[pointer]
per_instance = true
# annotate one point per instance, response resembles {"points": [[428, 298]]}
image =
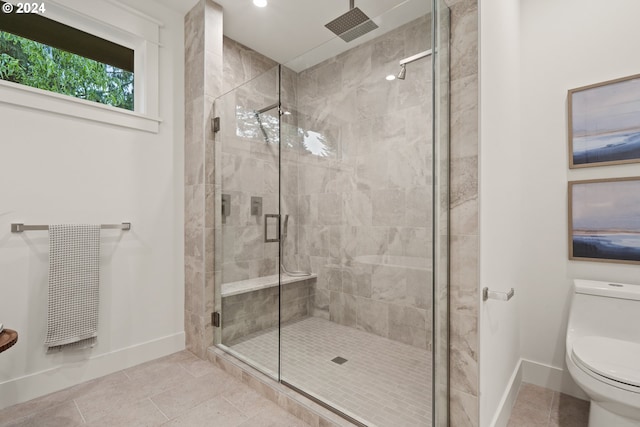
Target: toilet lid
{"points": [[612, 358]]}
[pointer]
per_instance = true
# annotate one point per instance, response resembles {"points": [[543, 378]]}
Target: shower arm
{"points": [[415, 57]]}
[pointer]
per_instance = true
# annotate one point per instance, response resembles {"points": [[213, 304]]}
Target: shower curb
{"points": [[292, 402]]}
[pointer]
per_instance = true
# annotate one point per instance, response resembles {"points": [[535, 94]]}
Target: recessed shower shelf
{"points": [[250, 285]]}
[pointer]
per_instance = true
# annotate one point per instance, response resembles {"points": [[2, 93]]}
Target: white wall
{"points": [[500, 200], [58, 169], [565, 44]]}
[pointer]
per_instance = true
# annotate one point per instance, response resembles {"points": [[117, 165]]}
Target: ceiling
{"points": [[288, 30]]}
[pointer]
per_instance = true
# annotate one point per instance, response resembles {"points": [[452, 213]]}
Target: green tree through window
{"points": [[37, 65]]}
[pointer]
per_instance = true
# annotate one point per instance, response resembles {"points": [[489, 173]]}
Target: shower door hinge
{"points": [[215, 124], [215, 319]]}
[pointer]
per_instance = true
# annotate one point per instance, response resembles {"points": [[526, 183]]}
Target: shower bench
{"points": [[252, 305], [257, 283]]}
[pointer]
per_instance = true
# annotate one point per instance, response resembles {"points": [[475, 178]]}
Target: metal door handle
{"points": [[266, 228]]}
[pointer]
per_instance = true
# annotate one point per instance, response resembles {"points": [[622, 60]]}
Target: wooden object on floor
{"points": [[8, 338]]}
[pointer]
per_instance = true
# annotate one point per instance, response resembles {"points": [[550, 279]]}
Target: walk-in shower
{"points": [[337, 287]]}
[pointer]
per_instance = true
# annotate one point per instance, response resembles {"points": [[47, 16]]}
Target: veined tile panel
{"points": [[364, 185], [464, 232], [203, 80]]}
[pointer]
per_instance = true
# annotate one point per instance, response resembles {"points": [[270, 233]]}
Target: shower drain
{"points": [[339, 360]]}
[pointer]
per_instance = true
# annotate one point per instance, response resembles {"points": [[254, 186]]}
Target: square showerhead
{"points": [[351, 25]]}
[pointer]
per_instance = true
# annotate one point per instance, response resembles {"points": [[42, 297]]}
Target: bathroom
{"points": [[510, 66]]}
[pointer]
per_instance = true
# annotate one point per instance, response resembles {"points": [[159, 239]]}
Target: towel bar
{"points": [[19, 227]]}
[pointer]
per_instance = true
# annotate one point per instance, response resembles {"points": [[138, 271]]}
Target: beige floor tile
{"points": [[192, 391], [159, 375], [249, 402], [107, 399], [63, 415], [179, 389], [21, 410], [214, 412], [87, 387], [567, 411], [59, 397], [538, 406], [532, 408], [536, 396], [198, 367], [138, 414], [273, 417]]}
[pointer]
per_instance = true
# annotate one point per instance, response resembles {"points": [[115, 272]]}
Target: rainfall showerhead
{"points": [[351, 25]]}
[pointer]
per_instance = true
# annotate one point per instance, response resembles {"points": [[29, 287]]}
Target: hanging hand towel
{"points": [[74, 278]]}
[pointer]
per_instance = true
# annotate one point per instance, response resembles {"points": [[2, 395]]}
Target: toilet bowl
{"points": [[603, 350]]}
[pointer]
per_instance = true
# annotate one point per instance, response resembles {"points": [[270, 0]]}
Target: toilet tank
{"points": [[604, 309]]}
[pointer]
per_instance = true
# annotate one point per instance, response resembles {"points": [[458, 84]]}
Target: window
{"points": [[113, 41], [42, 53]]}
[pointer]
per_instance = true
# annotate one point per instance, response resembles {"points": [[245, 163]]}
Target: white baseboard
{"points": [[551, 377], [501, 417], [38, 384]]}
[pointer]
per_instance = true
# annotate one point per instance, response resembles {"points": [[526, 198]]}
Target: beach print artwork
{"points": [[604, 123], [604, 220]]}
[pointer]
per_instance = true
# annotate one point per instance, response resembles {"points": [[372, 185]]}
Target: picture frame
{"points": [[604, 123], [604, 220]]}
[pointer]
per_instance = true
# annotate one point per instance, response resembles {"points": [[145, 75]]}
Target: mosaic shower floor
{"points": [[382, 383]]}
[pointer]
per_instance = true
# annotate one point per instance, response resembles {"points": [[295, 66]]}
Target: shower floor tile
{"points": [[382, 382]]}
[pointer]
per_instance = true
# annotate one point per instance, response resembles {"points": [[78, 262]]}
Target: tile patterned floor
{"points": [[383, 382], [538, 406], [177, 390]]}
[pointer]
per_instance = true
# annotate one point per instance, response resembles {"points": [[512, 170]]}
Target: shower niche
{"points": [[335, 282]]}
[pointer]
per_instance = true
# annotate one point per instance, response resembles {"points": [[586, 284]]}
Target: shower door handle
{"points": [[266, 228]]}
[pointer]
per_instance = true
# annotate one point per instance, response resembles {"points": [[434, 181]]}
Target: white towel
{"points": [[74, 279]]}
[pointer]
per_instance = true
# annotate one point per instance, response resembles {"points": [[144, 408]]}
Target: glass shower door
{"points": [[247, 155], [368, 166]]}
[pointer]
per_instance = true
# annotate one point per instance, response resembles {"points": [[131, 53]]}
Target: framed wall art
{"points": [[604, 220], [604, 123]]}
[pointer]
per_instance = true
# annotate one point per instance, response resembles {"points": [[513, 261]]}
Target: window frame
{"points": [[119, 24]]}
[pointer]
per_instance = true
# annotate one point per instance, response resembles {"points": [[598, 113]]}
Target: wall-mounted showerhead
{"points": [[403, 72], [351, 25], [403, 65]]}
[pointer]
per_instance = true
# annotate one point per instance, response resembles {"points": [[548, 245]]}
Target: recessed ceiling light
{"points": [[390, 77], [260, 3]]}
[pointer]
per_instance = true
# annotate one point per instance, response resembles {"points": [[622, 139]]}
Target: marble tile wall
{"points": [[364, 186], [464, 231], [203, 82]]}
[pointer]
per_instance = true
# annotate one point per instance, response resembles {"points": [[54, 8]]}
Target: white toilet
{"points": [[603, 350]]}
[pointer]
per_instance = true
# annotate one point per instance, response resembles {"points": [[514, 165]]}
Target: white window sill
{"points": [[55, 103]]}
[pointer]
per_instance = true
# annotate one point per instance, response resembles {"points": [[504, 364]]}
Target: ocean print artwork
{"points": [[604, 220], [604, 123]]}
